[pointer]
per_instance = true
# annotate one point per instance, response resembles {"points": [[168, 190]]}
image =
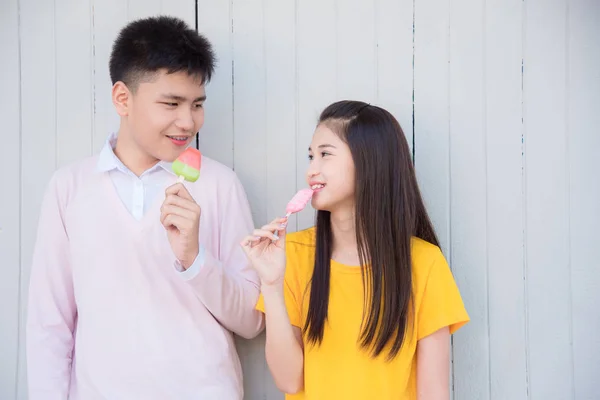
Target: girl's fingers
{"points": [[279, 221], [273, 227], [265, 233], [251, 241], [277, 225], [270, 231]]}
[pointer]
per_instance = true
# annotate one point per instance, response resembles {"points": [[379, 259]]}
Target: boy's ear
{"points": [[120, 97]]}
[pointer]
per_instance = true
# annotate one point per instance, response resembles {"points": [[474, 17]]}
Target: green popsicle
{"points": [[187, 165]]}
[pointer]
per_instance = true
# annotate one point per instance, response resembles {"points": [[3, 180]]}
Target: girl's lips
{"points": [[317, 187]]}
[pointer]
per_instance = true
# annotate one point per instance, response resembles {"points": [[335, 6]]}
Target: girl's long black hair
{"points": [[389, 212]]}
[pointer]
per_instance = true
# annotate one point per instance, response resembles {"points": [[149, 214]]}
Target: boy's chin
{"points": [[170, 155], [170, 158]]}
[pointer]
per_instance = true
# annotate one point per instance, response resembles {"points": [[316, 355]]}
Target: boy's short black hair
{"points": [[148, 45]]}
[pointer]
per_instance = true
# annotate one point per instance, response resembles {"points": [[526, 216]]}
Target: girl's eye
{"points": [[323, 154], [310, 157]]}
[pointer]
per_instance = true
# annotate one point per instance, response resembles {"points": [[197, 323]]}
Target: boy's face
{"points": [[165, 113]]}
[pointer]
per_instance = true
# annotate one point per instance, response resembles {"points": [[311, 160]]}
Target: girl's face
{"points": [[331, 171]]}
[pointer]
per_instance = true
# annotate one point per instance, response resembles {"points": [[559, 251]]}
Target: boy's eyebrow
{"points": [[323, 146], [181, 98]]}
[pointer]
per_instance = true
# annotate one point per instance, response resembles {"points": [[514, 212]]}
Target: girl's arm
{"points": [[284, 349], [433, 366]]}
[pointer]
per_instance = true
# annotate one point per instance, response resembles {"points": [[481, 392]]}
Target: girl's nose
{"points": [[311, 172]]}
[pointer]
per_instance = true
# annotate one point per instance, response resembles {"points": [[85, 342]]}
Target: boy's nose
{"points": [[185, 121]]}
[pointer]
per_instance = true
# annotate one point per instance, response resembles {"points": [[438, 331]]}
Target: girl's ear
{"points": [[120, 98]]}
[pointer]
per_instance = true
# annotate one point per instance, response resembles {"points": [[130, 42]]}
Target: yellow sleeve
{"points": [[441, 304], [291, 303]]}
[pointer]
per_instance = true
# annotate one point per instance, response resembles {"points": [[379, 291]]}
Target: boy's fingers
{"points": [[180, 190], [174, 220], [181, 202], [182, 212]]}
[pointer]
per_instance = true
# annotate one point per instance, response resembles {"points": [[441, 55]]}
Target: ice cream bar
{"points": [[299, 201], [187, 165]]}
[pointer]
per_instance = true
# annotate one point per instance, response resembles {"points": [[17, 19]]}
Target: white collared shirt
{"points": [[139, 193]]}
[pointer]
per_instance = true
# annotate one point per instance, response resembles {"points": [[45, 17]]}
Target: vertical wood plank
{"points": [[281, 112], [317, 80], [280, 63], [216, 137], [431, 129], [137, 9], [431, 134], [38, 137], [468, 196], [184, 9], [503, 80], [254, 368], [583, 148], [250, 103], [109, 17], [394, 36], [10, 201], [356, 51], [250, 145], [547, 229], [73, 80]]}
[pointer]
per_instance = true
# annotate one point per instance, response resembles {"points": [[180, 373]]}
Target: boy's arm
{"points": [[225, 282], [51, 309]]}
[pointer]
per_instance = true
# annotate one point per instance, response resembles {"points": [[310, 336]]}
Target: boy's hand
{"points": [[180, 215]]}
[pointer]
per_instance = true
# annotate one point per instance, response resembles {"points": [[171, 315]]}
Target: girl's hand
{"points": [[266, 252]]}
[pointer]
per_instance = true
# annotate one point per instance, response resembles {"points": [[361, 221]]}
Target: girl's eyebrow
{"points": [[323, 146]]}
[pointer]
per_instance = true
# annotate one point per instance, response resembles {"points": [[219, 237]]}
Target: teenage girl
{"points": [[362, 305]]}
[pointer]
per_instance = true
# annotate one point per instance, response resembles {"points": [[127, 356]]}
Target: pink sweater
{"points": [[110, 317]]}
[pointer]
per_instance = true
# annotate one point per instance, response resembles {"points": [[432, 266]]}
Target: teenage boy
{"points": [[138, 282]]}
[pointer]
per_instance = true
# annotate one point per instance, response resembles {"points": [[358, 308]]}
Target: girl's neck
{"points": [[343, 230]]}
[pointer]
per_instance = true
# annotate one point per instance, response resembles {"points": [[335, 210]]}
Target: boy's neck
{"points": [[344, 237], [131, 155]]}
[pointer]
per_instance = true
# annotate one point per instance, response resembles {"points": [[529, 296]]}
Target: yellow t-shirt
{"points": [[339, 368]]}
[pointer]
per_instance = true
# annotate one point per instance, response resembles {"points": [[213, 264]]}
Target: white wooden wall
{"points": [[500, 99]]}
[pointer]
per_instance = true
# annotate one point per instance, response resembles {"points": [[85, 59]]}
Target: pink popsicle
{"points": [[299, 201]]}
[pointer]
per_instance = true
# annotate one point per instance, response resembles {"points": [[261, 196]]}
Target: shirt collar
{"points": [[108, 160]]}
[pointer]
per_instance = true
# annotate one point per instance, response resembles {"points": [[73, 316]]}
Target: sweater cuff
{"points": [[194, 269]]}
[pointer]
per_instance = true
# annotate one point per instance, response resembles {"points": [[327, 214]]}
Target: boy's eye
{"points": [[200, 105], [171, 104]]}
